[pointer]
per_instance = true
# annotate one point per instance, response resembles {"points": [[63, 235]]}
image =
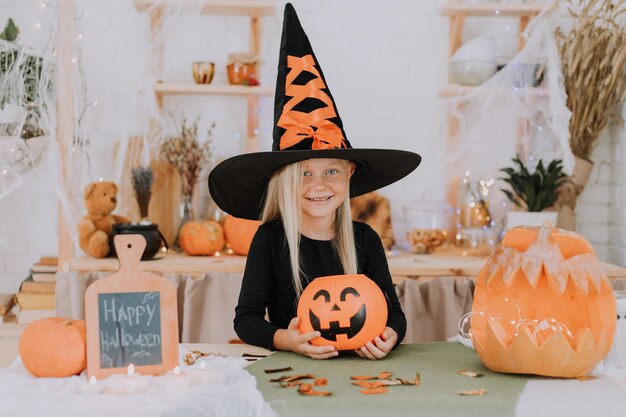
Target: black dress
{"points": [[267, 282]]}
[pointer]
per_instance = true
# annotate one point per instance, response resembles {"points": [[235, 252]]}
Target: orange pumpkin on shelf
{"points": [[543, 305], [348, 310], [201, 238], [239, 233], [54, 347]]}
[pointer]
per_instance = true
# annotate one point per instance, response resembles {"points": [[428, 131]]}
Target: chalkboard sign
{"points": [[130, 329], [132, 317]]}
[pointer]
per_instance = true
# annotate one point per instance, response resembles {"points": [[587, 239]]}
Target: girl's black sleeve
{"points": [[377, 269], [255, 294]]}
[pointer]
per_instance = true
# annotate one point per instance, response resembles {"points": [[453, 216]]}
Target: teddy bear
{"points": [[95, 227]]}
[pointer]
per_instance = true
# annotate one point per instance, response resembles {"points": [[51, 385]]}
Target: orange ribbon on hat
{"points": [[327, 135], [298, 125]]}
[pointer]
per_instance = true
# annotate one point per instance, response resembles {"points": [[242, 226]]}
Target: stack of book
{"points": [[36, 296]]}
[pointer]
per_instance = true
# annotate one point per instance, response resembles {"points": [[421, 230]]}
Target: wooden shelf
{"points": [[236, 7], [443, 263], [172, 262], [399, 265], [455, 90], [211, 89], [491, 9]]}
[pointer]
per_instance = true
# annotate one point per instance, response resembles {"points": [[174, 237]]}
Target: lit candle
{"points": [[128, 384]]}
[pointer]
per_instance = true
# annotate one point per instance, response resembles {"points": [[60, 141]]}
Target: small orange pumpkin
{"points": [[54, 347], [239, 233], [543, 305], [201, 238], [348, 310]]}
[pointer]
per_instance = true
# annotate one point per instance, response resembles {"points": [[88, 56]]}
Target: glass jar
{"points": [[242, 69], [427, 225], [474, 224]]}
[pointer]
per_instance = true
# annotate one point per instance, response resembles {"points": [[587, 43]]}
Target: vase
{"points": [[186, 215], [569, 192], [474, 225]]}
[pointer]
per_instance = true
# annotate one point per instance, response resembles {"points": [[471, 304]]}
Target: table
{"points": [[520, 396], [435, 291]]}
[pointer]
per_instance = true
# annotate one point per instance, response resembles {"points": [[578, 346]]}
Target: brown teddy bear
{"points": [[95, 227]]}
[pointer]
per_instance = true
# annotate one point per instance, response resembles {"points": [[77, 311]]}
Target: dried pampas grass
{"points": [[593, 56]]}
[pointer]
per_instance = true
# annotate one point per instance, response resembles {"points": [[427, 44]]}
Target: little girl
{"points": [[301, 192]]}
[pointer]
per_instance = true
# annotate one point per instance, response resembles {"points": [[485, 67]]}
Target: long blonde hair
{"points": [[281, 202]]}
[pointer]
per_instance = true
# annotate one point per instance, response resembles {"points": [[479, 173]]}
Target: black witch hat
{"points": [[306, 125]]}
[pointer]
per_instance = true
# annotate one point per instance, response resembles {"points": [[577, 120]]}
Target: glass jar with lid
{"points": [[427, 225]]}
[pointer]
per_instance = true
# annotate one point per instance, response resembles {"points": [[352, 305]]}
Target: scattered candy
{"points": [[381, 390], [481, 391], [469, 373]]}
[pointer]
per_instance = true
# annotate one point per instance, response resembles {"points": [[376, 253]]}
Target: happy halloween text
{"points": [[129, 325]]}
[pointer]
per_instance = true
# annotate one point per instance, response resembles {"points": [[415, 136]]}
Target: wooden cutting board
{"points": [[132, 317]]}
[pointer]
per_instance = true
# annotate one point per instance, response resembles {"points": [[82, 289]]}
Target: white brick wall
{"points": [[617, 206], [384, 61]]}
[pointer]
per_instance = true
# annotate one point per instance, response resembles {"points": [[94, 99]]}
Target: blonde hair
{"points": [[281, 202]]}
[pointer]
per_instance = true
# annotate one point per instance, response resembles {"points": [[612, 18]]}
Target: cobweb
{"points": [[519, 110], [213, 387], [27, 106]]}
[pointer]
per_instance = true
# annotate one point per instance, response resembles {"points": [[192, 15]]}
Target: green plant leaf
{"points": [[10, 31]]}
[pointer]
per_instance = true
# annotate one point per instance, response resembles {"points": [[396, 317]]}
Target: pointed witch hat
{"points": [[306, 125]]}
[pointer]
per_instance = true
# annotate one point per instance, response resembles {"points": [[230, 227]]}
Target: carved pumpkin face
{"points": [[543, 305], [348, 311]]}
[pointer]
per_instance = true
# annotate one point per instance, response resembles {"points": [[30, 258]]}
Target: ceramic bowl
{"points": [[472, 72], [482, 48]]}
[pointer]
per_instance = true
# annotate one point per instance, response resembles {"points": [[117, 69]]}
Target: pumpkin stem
{"points": [[66, 323]]}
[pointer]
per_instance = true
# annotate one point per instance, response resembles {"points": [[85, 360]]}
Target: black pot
{"points": [[149, 231]]}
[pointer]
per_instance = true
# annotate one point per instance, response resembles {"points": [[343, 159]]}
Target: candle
{"points": [[129, 384]]}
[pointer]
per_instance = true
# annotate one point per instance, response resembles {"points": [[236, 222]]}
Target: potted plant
{"points": [[534, 193]]}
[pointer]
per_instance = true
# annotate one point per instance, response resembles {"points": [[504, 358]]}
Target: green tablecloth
{"points": [[437, 364]]}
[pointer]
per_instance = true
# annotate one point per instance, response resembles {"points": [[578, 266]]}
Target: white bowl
{"points": [[472, 72], [482, 48]]}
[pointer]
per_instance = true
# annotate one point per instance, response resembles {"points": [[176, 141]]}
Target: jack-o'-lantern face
{"points": [[543, 305], [348, 311]]}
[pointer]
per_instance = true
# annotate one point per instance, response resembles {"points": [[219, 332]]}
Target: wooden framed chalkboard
{"points": [[131, 317]]}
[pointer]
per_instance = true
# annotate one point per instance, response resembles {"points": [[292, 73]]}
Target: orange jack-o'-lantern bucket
{"points": [[348, 311]]}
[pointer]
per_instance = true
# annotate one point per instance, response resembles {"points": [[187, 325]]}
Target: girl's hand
{"points": [[381, 347], [292, 339]]}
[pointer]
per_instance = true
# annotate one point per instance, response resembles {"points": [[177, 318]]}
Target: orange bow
{"points": [[298, 125], [327, 136]]}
